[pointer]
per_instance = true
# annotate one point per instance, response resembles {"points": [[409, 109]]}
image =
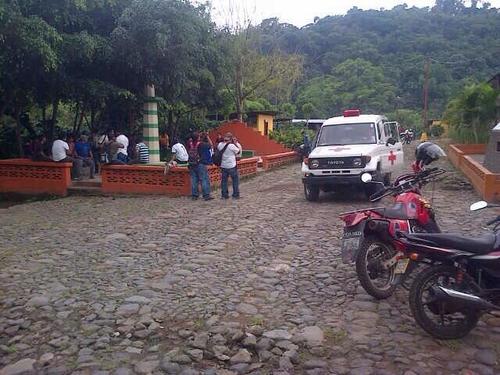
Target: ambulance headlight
{"points": [[357, 162], [313, 163]]}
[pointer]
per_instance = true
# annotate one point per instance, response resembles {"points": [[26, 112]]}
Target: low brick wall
{"points": [[456, 152], [145, 179], [277, 160], [32, 177], [486, 183]]}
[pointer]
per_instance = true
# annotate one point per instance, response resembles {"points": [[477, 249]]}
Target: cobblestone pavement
{"points": [[97, 285]]}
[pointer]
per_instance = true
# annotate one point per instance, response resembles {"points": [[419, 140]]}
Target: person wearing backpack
{"points": [[200, 157], [229, 149]]}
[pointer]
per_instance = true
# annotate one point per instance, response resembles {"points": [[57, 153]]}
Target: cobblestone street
{"points": [[140, 285]]}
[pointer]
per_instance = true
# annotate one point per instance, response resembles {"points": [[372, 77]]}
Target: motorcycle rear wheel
{"points": [[368, 269], [424, 311]]}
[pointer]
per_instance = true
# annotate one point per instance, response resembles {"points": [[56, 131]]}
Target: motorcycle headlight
{"points": [[314, 163], [357, 162]]}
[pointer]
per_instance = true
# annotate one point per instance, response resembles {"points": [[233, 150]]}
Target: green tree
{"points": [[407, 118], [288, 110], [308, 109], [29, 52], [472, 112], [352, 84], [251, 73]]}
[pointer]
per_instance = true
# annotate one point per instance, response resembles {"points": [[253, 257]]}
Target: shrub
{"points": [[437, 131], [291, 135]]}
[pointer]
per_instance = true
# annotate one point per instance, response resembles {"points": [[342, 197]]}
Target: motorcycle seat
{"points": [[397, 212], [480, 245]]}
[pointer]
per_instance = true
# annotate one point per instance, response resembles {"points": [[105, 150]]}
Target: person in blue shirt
{"points": [[83, 151], [199, 172]]}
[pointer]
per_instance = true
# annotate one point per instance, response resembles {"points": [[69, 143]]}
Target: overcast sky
{"points": [[302, 12]]}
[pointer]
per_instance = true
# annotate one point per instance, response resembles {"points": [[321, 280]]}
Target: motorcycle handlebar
{"points": [[418, 178], [380, 194]]}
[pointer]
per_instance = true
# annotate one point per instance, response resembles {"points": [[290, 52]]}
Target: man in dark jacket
{"points": [[199, 172]]}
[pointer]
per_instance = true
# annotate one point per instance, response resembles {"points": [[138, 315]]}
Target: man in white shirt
{"points": [[230, 149], [179, 152], [60, 151], [122, 153], [62, 154]]}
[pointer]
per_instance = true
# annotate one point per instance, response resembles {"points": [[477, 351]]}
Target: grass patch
{"points": [[453, 345], [257, 321], [11, 349], [199, 324], [72, 363], [304, 356], [335, 337]]}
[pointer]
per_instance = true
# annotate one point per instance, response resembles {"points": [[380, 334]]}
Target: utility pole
{"points": [[427, 68]]}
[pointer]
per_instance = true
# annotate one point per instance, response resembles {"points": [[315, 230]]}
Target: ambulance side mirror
{"points": [[391, 141]]}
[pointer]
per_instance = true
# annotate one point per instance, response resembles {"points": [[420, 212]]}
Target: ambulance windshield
{"points": [[347, 134]]}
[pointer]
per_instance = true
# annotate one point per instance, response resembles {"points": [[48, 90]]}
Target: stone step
{"points": [[85, 190], [87, 183]]}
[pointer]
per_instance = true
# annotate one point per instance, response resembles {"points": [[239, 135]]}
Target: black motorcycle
{"points": [[463, 282]]}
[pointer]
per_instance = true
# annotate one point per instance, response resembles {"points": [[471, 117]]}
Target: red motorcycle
{"points": [[369, 234]]}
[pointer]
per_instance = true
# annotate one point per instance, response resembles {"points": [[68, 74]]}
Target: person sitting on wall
{"points": [[61, 153], [83, 151], [71, 143], [179, 153], [101, 156], [122, 154], [141, 153], [164, 143], [112, 149], [40, 150]]}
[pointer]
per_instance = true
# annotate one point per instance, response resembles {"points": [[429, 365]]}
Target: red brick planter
{"points": [[486, 183], [144, 179], [276, 160], [33, 177]]}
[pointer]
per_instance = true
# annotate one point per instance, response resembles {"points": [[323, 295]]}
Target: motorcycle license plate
{"points": [[402, 265], [350, 243]]}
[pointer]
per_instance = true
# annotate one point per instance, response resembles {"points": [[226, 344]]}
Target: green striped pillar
{"points": [[150, 125]]}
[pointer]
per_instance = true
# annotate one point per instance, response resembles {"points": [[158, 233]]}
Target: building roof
{"points": [[271, 113]]}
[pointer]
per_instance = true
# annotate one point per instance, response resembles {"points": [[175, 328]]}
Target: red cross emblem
{"points": [[392, 157]]}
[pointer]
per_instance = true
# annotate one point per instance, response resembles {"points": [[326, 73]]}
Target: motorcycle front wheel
{"points": [[438, 318], [373, 277]]}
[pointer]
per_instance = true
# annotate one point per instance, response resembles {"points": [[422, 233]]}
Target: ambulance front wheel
{"points": [[311, 192]]}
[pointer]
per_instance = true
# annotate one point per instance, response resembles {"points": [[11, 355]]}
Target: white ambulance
{"points": [[348, 146]]}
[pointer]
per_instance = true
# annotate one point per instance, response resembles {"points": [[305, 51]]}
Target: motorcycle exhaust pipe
{"points": [[378, 225], [464, 299]]}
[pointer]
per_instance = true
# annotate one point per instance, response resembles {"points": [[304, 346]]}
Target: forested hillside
{"points": [[78, 65], [375, 59]]}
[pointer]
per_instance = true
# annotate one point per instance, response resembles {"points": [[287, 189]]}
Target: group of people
{"points": [[112, 147], [115, 148], [199, 153]]}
